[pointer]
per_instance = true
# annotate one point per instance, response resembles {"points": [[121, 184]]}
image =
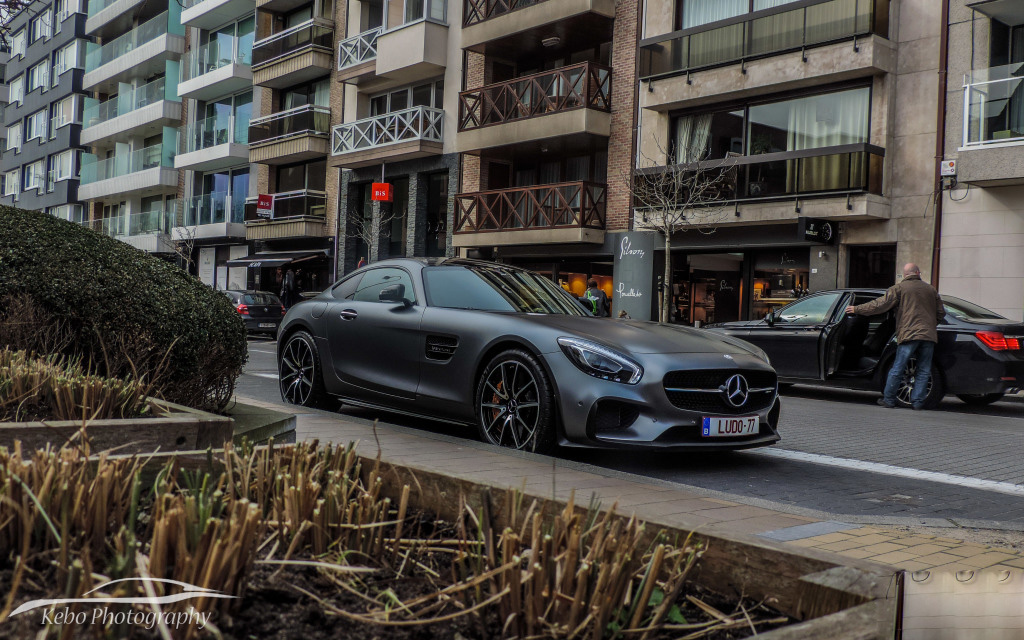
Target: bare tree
{"points": [[373, 229], [184, 246], [680, 197]]}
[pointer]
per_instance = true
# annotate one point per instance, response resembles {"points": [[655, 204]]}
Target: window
{"points": [[40, 26], [63, 113], [296, 177], [430, 94], [11, 183], [317, 93], [64, 10], [345, 289], [813, 310], [62, 165], [35, 125], [376, 280], [18, 89], [18, 42], [14, 137], [39, 76], [69, 212], [33, 176], [65, 58]]}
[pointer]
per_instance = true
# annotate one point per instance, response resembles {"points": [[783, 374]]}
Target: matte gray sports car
{"points": [[509, 351]]}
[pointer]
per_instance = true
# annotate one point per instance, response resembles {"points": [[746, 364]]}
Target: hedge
{"points": [[130, 314]]}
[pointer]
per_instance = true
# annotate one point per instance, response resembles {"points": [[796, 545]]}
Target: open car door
{"points": [[853, 345], [834, 337]]}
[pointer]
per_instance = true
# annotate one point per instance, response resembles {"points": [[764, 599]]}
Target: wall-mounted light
{"points": [[553, 41]]}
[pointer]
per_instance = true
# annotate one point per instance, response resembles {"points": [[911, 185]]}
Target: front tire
{"points": [[515, 403], [299, 373], [936, 388], [979, 399]]}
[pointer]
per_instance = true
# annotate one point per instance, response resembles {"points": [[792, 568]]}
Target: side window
{"points": [[377, 280], [811, 310], [347, 287]]}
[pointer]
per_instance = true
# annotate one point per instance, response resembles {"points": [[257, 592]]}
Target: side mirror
{"points": [[394, 294], [770, 317]]}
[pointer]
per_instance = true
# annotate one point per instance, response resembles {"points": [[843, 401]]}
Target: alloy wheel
{"points": [[297, 372], [906, 389], [510, 406]]}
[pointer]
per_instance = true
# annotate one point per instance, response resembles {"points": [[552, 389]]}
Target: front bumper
{"points": [[651, 420]]}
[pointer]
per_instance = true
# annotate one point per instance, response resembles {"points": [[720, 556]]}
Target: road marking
{"points": [[902, 472], [263, 351], [270, 376]]}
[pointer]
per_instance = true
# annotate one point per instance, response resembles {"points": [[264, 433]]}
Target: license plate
{"points": [[729, 427], [267, 325]]}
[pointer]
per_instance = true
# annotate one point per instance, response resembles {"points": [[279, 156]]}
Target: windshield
{"points": [[487, 288], [968, 311]]}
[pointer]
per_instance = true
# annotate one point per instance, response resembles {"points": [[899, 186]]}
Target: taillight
{"points": [[242, 309], [997, 341], [283, 310]]}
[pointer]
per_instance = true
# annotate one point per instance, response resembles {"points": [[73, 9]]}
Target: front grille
{"points": [[698, 390]]}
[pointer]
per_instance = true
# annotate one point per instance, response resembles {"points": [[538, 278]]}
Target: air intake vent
{"points": [[441, 347]]}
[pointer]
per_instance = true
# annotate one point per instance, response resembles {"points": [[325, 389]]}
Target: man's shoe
{"points": [[883, 403], [917, 406]]}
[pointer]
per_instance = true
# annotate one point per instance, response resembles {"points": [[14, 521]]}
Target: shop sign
{"points": [[265, 205], [382, 192], [816, 230]]}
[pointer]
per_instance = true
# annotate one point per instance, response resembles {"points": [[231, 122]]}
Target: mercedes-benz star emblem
{"points": [[736, 390]]}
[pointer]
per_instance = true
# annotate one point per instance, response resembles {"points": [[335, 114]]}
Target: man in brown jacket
{"points": [[919, 311]]}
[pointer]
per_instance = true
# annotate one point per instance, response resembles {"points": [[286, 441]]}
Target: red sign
{"points": [[265, 205], [382, 192]]}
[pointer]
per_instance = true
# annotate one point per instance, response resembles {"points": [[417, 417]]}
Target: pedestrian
{"points": [[919, 311], [288, 289], [596, 300], [362, 263]]}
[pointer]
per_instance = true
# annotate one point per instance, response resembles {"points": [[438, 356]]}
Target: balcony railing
{"points": [[762, 33], [140, 35], [136, 224], [214, 55], [994, 105], [312, 33], [95, 6], [475, 11], [138, 160], [846, 169], [214, 208], [126, 102], [292, 204], [214, 131], [418, 123], [584, 85], [549, 206], [358, 49], [308, 119]]}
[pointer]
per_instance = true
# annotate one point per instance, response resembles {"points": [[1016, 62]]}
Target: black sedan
{"points": [[261, 311], [516, 356], [978, 358]]}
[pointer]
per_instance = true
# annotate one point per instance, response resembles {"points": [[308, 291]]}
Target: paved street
{"points": [[841, 457]]}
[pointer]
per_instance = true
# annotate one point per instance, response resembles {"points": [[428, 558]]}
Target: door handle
{"points": [[349, 314]]}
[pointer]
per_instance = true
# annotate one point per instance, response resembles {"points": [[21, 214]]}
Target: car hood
{"points": [[638, 337]]}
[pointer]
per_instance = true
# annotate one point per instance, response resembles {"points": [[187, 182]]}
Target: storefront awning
{"points": [[275, 258]]}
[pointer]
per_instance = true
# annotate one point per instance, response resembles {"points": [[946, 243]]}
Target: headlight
{"points": [[601, 362]]}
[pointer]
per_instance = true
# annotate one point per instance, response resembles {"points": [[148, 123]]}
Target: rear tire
{"points": [[515, 403], [299, 373], [936, 387], [980, 399]]}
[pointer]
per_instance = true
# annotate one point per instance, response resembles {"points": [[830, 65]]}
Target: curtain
{"points": [[322, 93], [698, 12], [828, 120], [692, 136], [777, 32]]}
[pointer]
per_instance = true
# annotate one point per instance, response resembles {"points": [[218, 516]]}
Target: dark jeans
{"points": [[904, 352]]}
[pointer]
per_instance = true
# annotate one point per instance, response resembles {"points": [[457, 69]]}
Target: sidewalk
{"points": [[677, 505]]}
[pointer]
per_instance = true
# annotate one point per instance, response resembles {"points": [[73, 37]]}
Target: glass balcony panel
{"points": [[119, 105], [776, 33], [717, 46], [304, 120], [994, 101], [210, 208], [136, 224], [215, 130], [308, 34], [138, 160], [293, 204], [140, 35], [214, 55]]}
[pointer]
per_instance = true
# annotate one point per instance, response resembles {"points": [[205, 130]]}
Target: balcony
{"points": [[417, 48], [143, 171], [571, 100], [290, 136], [391, 137], [357, 57], [761, 34], [214, 143], [209, 72], [295, 55], [212, 215], [296, 214], [210, 14], [551, 213], [492, 26], [142, 111], [141, 52], [148, 231], [108, 15], [993, 127]]}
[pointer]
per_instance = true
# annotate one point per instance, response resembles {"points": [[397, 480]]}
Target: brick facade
{"points": [[623, 128]]}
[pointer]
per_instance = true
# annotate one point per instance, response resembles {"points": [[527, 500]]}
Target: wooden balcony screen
{"points": [[549, 206], [475, 11], [585, 85]]}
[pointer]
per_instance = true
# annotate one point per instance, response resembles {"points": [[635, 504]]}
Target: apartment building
{"points": [[132, 69], [216, 178], [823, 116], [289, 143], [981, 255], [42, 112], [545, 128]]}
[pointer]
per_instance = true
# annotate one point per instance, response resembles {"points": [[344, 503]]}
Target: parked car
{"points": [[261, 311], [978, 357], [513, 354]]}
